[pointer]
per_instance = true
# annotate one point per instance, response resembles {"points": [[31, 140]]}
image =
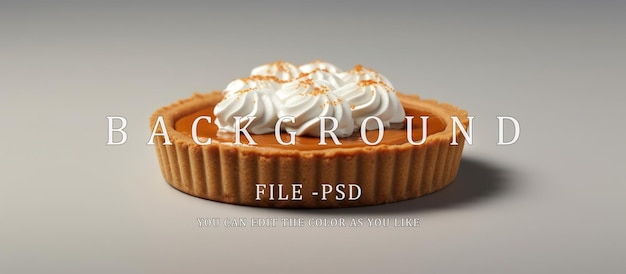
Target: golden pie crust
{"points": [[386, 173]]}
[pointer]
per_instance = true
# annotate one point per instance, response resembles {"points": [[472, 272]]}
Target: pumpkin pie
{"points": [[261, 141]]}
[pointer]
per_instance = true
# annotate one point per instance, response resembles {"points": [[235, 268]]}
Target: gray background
{"points": [[552, 202]]}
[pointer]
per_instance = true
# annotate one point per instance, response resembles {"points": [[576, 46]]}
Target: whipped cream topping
{"points": [[284, 71], [252, 82], [313, 90], [359, 73], [315, 100], [323, 74], [298, 87], [247, 103], [319, 64], [370, 98]]}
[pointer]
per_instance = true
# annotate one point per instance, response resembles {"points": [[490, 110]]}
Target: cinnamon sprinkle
{"points": [[357, 68], [369, 82], [319, 90], [280, 66], [240, 92], [305, 83], [305, 74], [269, 78]]}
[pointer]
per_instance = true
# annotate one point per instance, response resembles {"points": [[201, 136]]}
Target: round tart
{"points": [[222, 171], [306, 174]]}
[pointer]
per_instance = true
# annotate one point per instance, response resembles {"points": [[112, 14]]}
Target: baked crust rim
{"points": [[385, 173]]}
